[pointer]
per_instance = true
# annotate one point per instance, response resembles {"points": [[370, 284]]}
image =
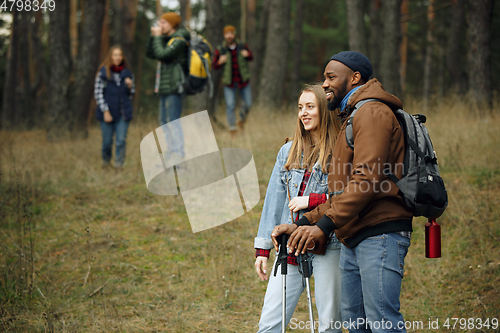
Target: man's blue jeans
{"points": [[230, 97], [170, 110], [119, 127], [371, 283]]}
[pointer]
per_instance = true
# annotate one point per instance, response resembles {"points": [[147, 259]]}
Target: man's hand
{"points": [[305, 238], [281, 229], [299, 203], [107, 116], [244, 53], [222, 59], [261, 267], [156, 31], [128, 82]]}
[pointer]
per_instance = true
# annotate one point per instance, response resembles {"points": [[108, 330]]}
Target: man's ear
{"points": [[356, 78]]}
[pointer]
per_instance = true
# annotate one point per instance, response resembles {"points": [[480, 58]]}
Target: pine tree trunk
{"points": [[356, 26], [375, 41], [274, 70], [297, 50], [213, 33], [479, 55], [259, 50], [428, 53], [88, 61], [405, 11], [390, 61], [455, 59], [9, 89], [59, 114]]}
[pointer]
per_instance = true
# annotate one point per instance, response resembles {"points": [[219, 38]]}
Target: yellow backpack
{"points": [[199, 65]]}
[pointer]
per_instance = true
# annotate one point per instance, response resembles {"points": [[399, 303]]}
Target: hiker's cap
{"points": [[356, 61], [172, 18], [228, 28]]}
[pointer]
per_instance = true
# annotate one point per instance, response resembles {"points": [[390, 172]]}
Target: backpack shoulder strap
{"points": [[348, 130], [171, 40]]}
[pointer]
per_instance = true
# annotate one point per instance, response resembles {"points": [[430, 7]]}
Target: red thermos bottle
{"points": [[432, 239]]}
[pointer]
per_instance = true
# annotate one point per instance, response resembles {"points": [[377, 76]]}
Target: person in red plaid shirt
{"points": [[233, 57], [298, 184]]}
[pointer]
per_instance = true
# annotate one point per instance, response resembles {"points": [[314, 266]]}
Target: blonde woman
{"points": [[301, 173]]}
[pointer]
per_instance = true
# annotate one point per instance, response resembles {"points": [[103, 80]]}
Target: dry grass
{"points": [[90, 250]]}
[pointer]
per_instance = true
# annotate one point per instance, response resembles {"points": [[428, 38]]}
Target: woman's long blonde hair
{"points": [[107, 62], [304, 153]]}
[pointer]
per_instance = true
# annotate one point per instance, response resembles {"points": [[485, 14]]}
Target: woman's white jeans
{"points": [[326, 274]]}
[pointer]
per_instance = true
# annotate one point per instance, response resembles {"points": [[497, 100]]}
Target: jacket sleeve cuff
{"points": [[326, 225], [302, 221]]}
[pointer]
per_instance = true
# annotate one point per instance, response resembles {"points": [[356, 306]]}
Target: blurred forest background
{"points": [[424, 49], [84, 249]]}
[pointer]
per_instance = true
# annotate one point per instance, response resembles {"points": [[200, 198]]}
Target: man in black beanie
{"points": [[364, 208]]}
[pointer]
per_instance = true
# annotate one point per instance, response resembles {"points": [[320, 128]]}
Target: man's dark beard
{"points": [[337, 98]]}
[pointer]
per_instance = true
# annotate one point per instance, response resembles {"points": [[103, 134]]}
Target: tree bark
{"points": [[73, 28], [259, 49], [185, 13], [274, 69], [356, 26], [390, 61], [376, 30], [88, 60], [243, 21], [9, 90], [59, 113], [479, 55], [405, 10], [213, 33], [455, 51], [428, 53], [297, 50]]}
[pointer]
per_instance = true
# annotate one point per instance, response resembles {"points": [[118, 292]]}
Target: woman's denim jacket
{"points": [[276, 211]]}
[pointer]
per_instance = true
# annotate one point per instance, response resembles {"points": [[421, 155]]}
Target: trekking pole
{"points": [[305, 266], [282, 260]]}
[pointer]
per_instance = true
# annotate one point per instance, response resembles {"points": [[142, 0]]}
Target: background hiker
{"points": [[233, 57]]}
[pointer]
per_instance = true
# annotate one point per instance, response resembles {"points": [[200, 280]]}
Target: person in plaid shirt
{"points": [[298, 184], [113, 91], [233, 57]]}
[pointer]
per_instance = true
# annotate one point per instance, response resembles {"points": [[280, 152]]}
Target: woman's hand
{"points": [[299, 203], [261, 267], [128, 82], [107, 116]]}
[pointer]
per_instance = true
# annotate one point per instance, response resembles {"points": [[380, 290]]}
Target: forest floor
{"points": [[84, 249]]}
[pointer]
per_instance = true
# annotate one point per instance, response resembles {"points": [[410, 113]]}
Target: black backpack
{"points": [[421, 186]]}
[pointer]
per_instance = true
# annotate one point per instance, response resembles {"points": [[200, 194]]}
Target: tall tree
{"points": [[259, 49], [243, 21], [375, 42], [428, 53], [390, 61], [59, 114], [272, 86], [213, 33], [405, 11], [479, 54], [455, 51], [73, 28], [356, 25], [86, 65], [124, 22], [297, 49], [9, 97]]}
